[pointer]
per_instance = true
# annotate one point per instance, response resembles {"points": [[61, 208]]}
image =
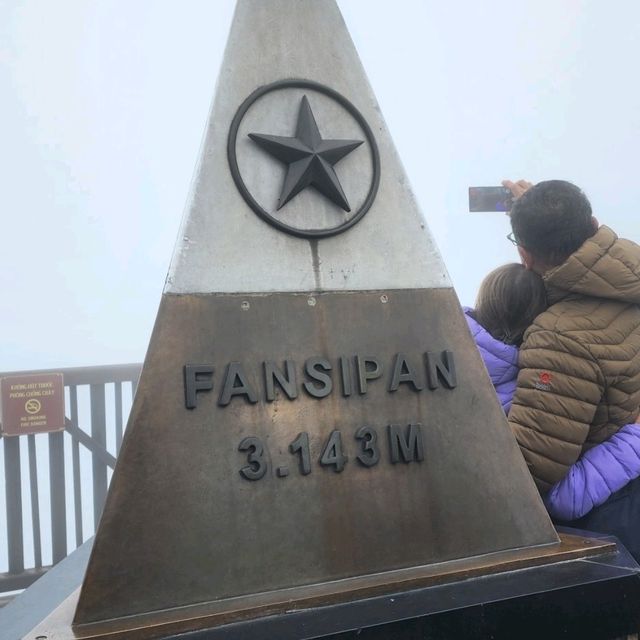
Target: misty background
{"points": [[104, 104]]}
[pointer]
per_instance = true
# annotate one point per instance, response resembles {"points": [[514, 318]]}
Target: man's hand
{"points": [[517, 188]]}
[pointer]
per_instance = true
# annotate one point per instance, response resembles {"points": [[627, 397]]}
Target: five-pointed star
{"points": [[310, 159]]}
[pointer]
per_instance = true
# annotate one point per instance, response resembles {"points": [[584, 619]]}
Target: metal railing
{"points": [[55, 484]]}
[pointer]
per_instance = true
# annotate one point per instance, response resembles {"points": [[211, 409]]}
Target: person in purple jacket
{"points": [[509, 299]]}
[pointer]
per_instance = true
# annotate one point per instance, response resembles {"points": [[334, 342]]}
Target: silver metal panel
{"points": [[223, 246]]}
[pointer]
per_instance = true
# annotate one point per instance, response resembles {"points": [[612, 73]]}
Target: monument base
{"points": [[457, 575]]}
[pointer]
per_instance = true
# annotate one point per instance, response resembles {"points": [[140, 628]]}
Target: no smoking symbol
{"points": [[32, 406]]}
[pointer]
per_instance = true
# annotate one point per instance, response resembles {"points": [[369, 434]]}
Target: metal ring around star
{"points": [[237, 178]]}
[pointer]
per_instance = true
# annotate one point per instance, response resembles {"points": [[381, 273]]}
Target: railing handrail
{"points": [[87, 375]]}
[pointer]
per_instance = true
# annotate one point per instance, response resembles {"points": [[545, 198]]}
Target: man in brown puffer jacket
{"points": [[579, 380]]}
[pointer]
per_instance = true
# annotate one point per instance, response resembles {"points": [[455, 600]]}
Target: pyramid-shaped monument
{"points": [[312, 417]]}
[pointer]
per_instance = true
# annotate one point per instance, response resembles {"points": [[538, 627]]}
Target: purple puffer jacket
{"points": [[600, 472], [500, 359]]}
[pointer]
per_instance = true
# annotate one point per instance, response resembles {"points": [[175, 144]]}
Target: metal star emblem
{"points": [[309, 157]]}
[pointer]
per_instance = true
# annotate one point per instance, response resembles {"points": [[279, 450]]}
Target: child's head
{"points": [[509, 299]]}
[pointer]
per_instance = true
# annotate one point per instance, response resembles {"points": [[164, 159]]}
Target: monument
{"points": [[313, 423]]}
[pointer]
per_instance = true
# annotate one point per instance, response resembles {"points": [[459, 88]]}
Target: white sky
{"points": [[104, 103]]}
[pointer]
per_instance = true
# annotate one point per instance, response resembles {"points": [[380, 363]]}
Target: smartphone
{"points": [[490, 199]]}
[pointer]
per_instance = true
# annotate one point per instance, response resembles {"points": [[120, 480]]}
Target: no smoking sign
{"points": [[32, 404]]}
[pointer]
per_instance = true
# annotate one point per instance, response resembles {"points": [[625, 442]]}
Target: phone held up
{"points": [[490, 199]]}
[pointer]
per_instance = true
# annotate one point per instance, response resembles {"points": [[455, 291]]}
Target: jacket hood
{"points": [[500, 359], [605, 266]]}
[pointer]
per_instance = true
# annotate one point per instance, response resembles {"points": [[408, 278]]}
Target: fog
{"points": [[104, 104]]}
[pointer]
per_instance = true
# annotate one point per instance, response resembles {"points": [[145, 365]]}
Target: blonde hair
{"points": [[509, 299]]}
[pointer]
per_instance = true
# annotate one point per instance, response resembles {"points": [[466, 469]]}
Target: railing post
{"points": [[13, 490], [75, 453], [99, 435], [118, 399], [58, 502], [35, 501]]}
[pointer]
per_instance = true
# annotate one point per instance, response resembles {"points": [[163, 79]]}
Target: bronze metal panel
{"points": [[183, 526]]}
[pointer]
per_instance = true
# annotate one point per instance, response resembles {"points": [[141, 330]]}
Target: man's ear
{"points": [[595, 223], [526, 258]]}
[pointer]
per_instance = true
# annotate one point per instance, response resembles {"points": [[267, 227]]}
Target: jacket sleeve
{"points": [[601, 471], [559, 387]]}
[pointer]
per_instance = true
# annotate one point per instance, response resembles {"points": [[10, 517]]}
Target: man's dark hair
{"points": [[552, 220], [509, 300]]}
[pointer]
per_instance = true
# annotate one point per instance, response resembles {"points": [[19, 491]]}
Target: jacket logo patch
{"points": [[544, 381]]}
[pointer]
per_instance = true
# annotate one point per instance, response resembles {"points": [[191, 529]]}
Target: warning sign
{"points": [[32, 404]]}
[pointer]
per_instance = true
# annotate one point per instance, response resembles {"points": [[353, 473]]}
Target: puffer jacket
{"points": [[599, 473], [579, 379], [500, 360]]}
